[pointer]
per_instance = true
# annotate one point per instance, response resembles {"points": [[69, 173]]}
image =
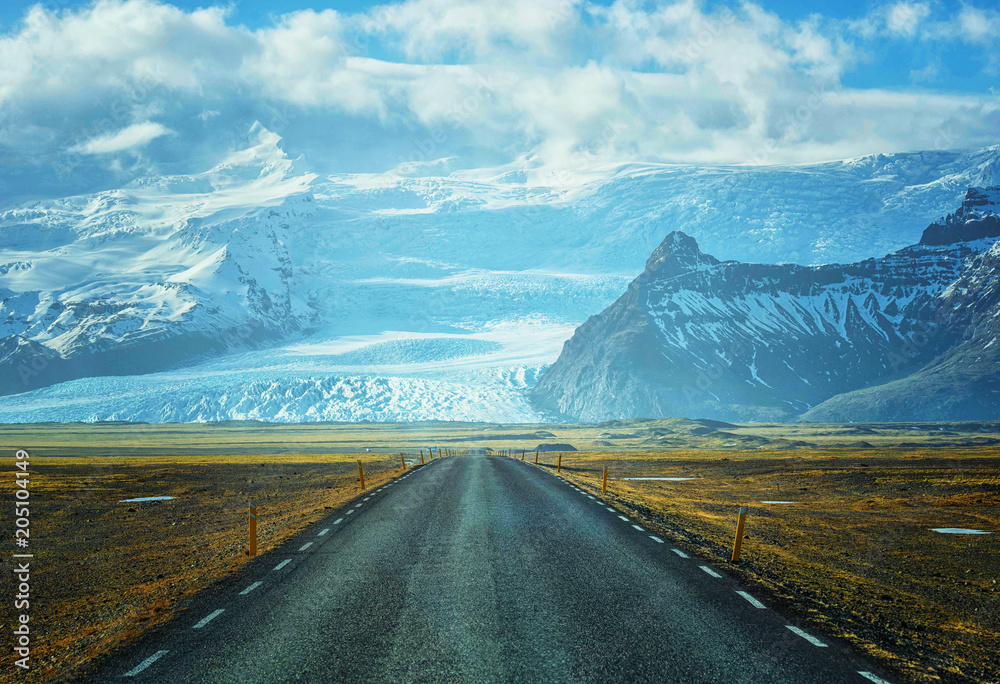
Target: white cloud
{"points": [[135, 136], [979, 26], [903, 18], [897, 20], [570, 82]]}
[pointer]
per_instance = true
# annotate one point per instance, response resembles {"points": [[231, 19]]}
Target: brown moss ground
{"points": [[105, 571], [855, 555]]}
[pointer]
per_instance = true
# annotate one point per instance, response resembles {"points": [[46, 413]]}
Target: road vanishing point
{"points": [[481, 569]]}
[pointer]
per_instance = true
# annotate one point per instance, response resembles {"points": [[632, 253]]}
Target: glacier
{"points": [[266, 289]]}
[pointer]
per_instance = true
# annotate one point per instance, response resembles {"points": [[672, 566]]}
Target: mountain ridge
{"points": [[264, 256], [728, 340]]}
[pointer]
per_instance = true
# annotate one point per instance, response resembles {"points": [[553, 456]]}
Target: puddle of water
{"points": [[779, 502], [147, 498], [667, 479], [958, 530]]}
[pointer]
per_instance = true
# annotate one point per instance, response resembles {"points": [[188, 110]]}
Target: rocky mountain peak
{"points": [[677, 253], [976, 219]]}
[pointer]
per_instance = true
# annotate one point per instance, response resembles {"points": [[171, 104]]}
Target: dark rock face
{"points": [[693, 336], [962, 383], [976, 219]]}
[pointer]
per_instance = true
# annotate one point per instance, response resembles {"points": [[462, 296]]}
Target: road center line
{"points": [[350, 511], [306, 546], [710, 571], [610, 510], [638, 528], [808, 637], [250, 588], [623, 518], [323, 532], [753, 602], [282, 564], [145, 663], [656, 539], [211, 616], [872, 678], [338, 521], [680, 553]]}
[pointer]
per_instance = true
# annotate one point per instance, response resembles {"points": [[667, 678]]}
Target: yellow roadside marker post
{"points": [[536, 458], [253, 530], [361, 476], [559, 464], [604, 487], [402, 460], [421, 457], [739, 535]]}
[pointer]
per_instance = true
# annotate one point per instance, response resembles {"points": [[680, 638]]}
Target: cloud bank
{"points": [[121, 88]]}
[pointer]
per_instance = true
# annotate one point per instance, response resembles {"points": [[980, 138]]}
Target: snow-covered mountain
{"points": [[695, 336], [195, 297]]}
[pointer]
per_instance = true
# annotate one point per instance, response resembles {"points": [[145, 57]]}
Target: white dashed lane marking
{"points": [[610, 510], [872, 678], [710, 571], [638, 528], [250, 588], [622, 517], [145, 663], [751, 600], [679, 553], [323, 532], [282, 564], [208, 618], [338, 521], [656, 539], [306, 546], [350, 511], [808, 637]]}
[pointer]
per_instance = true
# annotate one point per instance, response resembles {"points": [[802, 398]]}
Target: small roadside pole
{"points": [[559, 464], [739, 535], [604, 487], [361, 476], [421, 457], [253, 530], [402, 459], [536, 458]]}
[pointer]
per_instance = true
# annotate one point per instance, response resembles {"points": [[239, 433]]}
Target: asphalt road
{"points": [[481, 569]]}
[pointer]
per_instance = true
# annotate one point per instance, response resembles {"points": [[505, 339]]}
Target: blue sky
{"points": [[99, 93]]}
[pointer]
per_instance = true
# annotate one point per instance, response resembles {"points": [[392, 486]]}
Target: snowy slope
{"points": [[699, 337], [174, 274]]}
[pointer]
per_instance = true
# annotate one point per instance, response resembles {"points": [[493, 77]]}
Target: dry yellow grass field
{"points": [[105, 571], [854, 554]]}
